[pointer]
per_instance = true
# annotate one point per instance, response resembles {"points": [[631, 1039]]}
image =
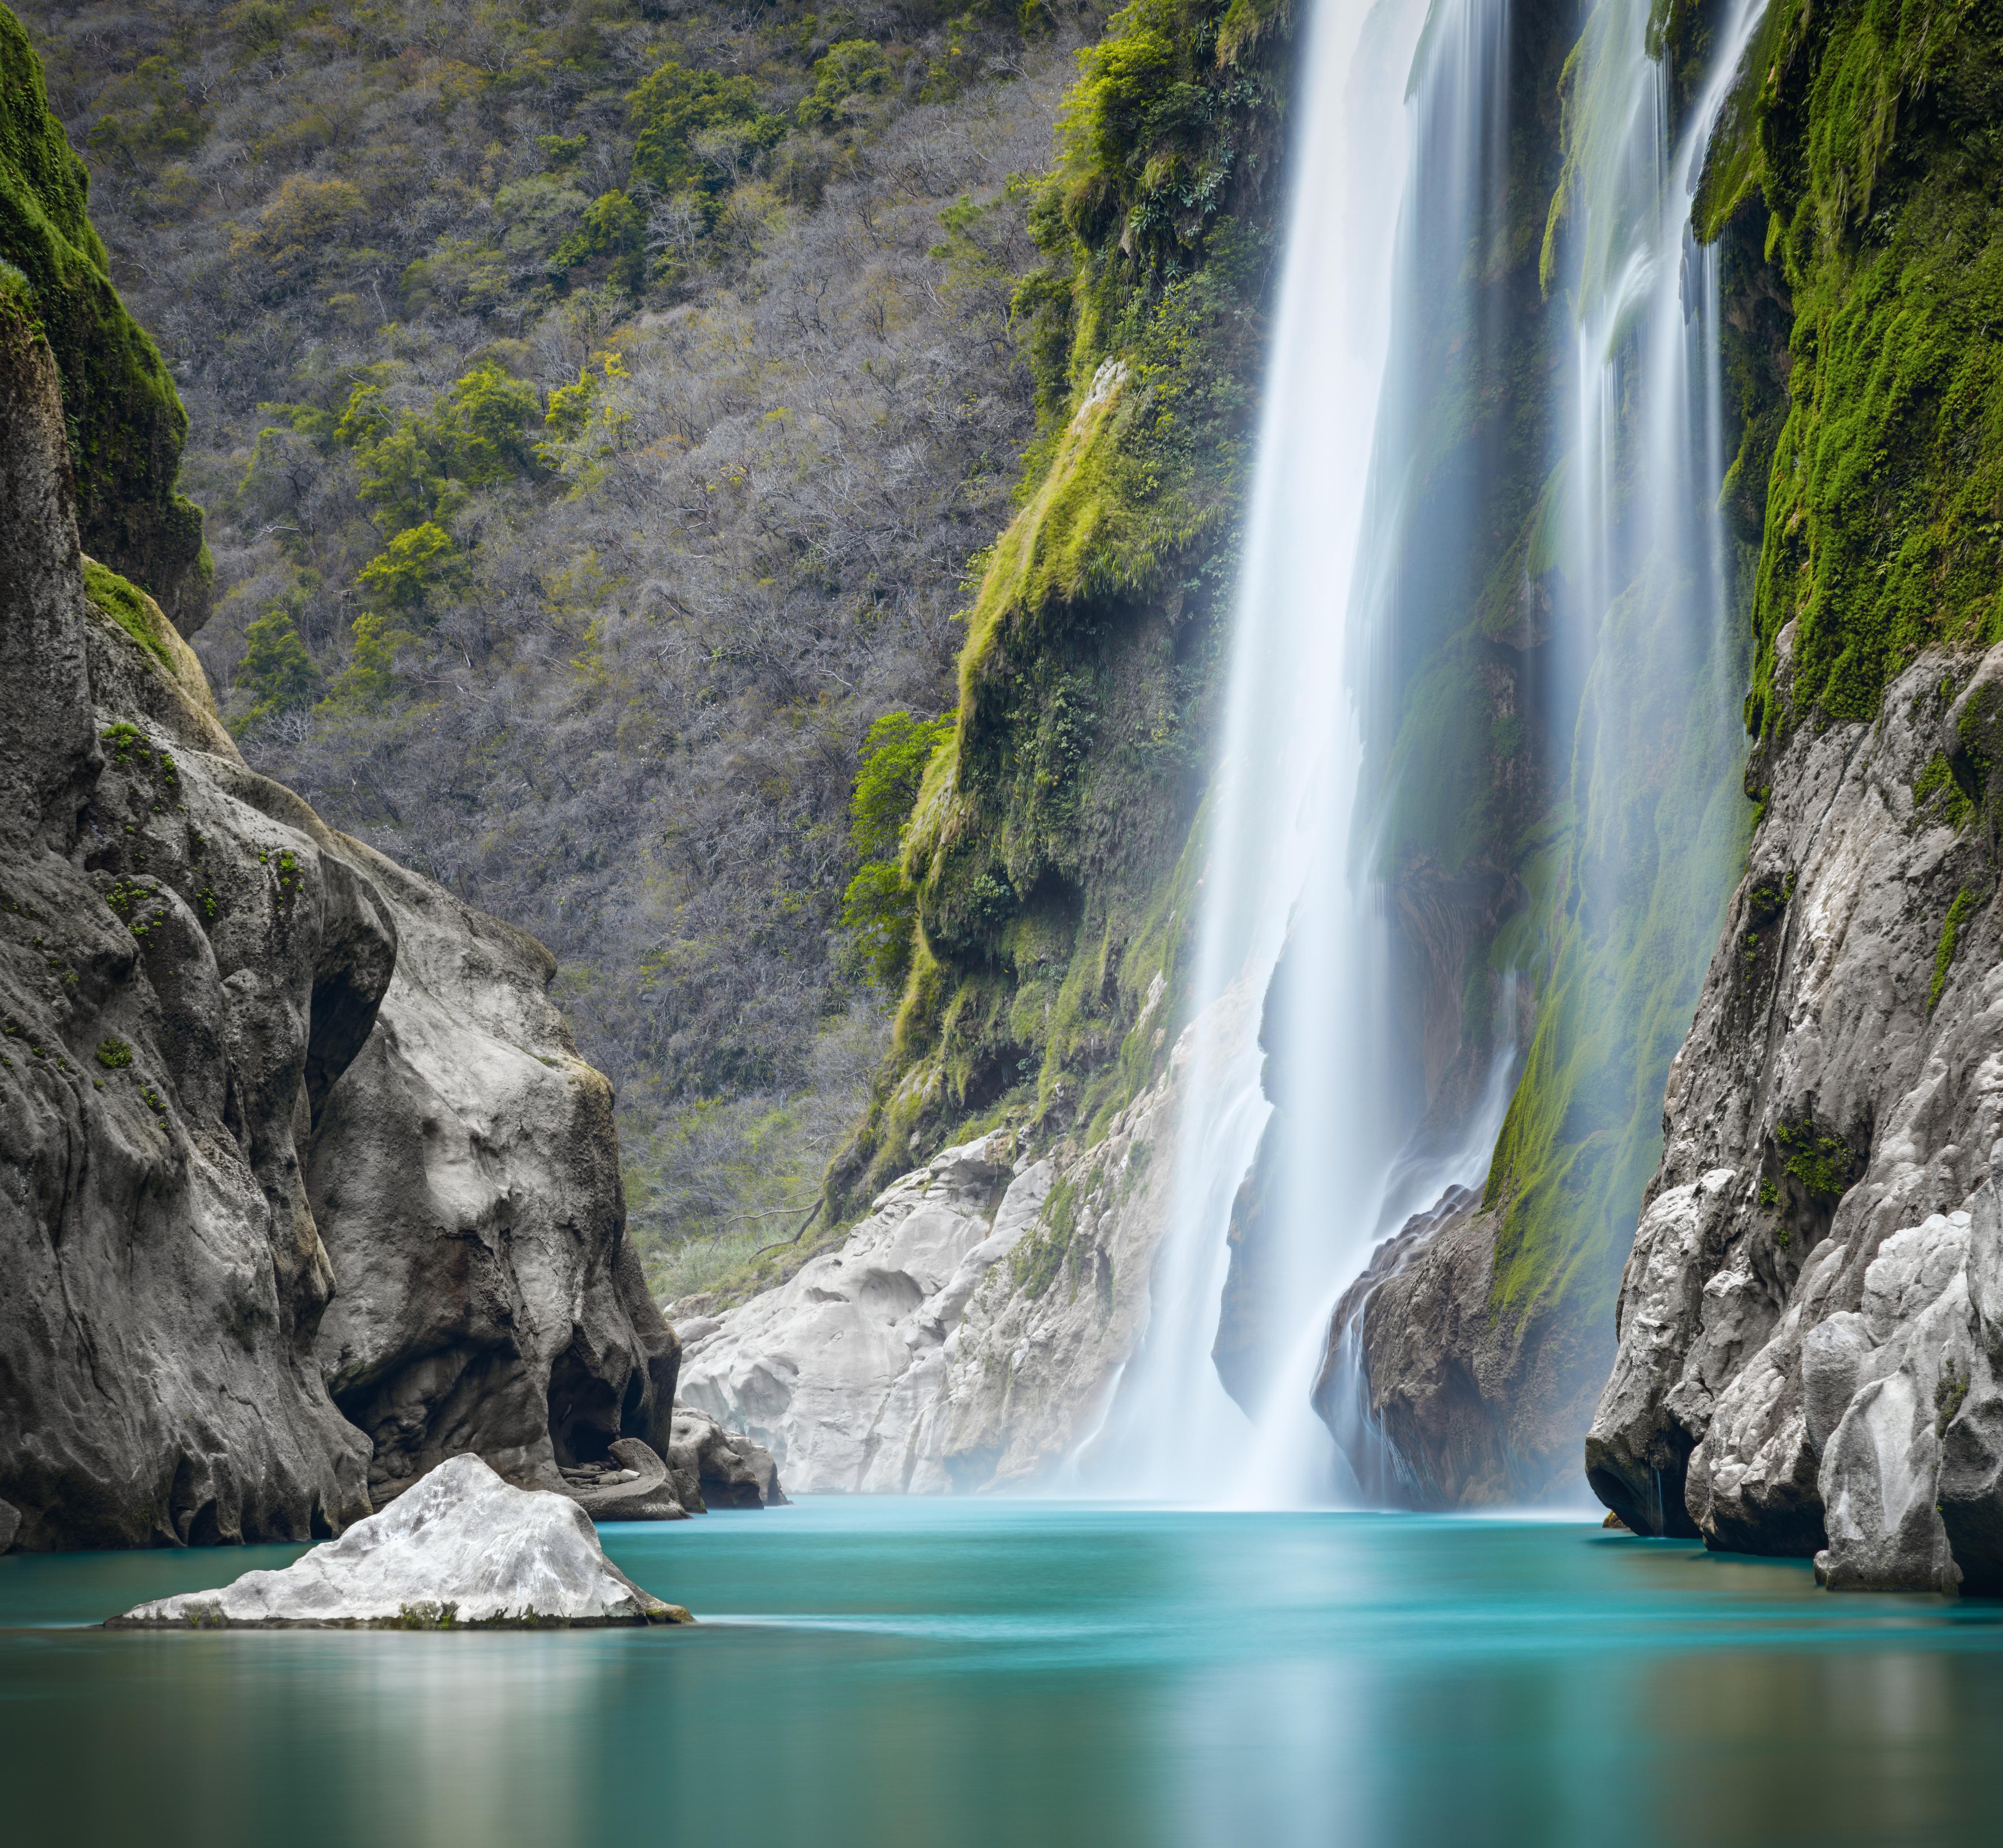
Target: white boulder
{"points": [[460, 1548]]}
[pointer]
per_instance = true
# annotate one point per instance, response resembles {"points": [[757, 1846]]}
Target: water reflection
{"points": [[883, 1672]]}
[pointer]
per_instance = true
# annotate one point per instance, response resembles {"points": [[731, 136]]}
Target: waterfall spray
{"points": [[1396, 230]]}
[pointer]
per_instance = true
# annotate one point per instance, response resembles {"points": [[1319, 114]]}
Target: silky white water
{"points": [[1398, 210], [1284, 794]]}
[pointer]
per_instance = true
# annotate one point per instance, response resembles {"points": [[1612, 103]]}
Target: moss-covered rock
{"points": [[1049, 848], [124, 421]]}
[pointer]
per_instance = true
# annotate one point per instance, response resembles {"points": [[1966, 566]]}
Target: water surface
{"points": [[890, 1672]]}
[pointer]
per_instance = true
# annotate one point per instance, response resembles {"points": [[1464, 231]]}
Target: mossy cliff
{"points": [[1049, 854], [1827, 1111], [123, 418], [1865, 147]]}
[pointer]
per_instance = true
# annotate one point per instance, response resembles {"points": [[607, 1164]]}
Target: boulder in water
{"points": [[461, 1550]]}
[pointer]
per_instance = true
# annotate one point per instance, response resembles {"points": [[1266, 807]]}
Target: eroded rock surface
{"points": [[968, 1333], [1807, 1340], [249, 1068], [461, 1549]]}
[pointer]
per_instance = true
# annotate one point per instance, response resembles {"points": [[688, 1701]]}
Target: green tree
{"points": [[854, 67], [614, 228], [418, 565], [681, 119], [277, 672], [370, 679]]}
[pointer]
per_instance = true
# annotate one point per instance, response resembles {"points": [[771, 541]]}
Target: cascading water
{"points": [[1396, 232], [1280, 860]]}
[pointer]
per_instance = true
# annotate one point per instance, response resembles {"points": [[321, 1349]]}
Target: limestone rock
{"points": [[464, 1173], [249, 1067], [1808, 1324], [729, 1471], [461, 1549], [968, 1333]]}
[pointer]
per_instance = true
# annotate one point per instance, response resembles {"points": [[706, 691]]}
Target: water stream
{"points": [[1395, 235]]}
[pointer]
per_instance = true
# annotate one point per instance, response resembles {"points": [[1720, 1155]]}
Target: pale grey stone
{"points": [[461, 1548]]}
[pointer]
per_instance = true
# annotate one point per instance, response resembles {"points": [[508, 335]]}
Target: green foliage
{"points": [[1958, 915], [852, 69], [125, 421], [370, 679], [1872, 133], [695, 129], [613, 232], [1826, 1165], [418, 465], [277, 671], [419, 565], [113, 1054]]}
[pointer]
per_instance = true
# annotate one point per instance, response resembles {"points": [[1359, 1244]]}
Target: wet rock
{"points": [[1434, 1401], [970, 1332], [1806, 1360], [461, 1549]]}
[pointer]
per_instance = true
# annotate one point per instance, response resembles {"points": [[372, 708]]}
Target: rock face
{"points": [[461, 1550], [1435, 1401], [1810, 1321], [464, 1171], [970, 1330], [249, 1068]]}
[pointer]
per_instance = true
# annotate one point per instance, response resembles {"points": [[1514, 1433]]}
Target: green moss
{"points": [[1936, 789], [125, 422], [1958, 915], [130, 608], [1872, 134]]}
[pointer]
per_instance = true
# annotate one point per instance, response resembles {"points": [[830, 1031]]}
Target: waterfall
{"points": [[1356, 557]]}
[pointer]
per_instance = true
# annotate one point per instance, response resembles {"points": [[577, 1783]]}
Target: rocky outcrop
{"points": [[462, 1549], [968, 1331], [464, 1171], [248, 1069], [1435, 1401], [717, 1467], [1808, 1320]]}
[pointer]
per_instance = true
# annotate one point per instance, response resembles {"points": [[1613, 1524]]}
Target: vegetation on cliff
{"points": [[125, 424], [1049, 851], [1870, 138]]}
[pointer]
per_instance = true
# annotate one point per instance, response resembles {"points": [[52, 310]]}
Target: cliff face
{"points": [[1807, 1322], [1808, 1319], [247, 1063], [970, 1332]]}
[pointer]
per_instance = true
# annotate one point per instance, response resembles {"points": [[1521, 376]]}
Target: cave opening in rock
{"points": [[584, 1411]]}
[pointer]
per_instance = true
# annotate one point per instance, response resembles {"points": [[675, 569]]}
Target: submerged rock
{"points": [[461, 1550]]}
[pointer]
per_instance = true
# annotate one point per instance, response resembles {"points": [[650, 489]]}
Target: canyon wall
{"points": [[249, 1070]]}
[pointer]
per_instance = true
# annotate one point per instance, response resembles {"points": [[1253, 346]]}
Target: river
{"points": [[890, 1672]]}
